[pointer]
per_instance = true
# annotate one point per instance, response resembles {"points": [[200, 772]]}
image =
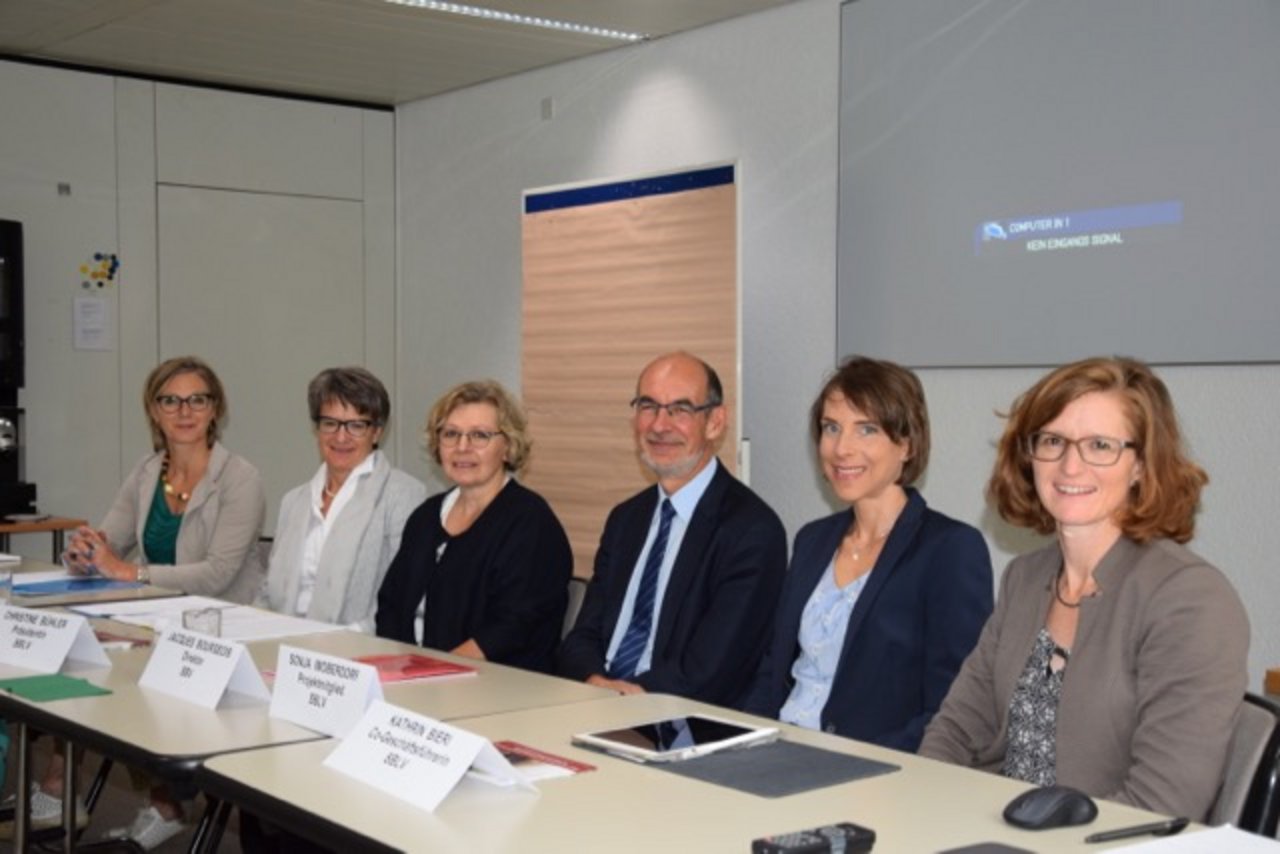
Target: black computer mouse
{"points": [[1050, 806]]}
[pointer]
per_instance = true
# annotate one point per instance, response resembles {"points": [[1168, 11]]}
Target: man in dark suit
{"points": [[688, 571]]}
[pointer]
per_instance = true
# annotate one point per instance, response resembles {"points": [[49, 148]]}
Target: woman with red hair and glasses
{"points": [[1115, 661]]}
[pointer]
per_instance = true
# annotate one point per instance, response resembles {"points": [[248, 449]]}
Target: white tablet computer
{"points": [[674, 739]]}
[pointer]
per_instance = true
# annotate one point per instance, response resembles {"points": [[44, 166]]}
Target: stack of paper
{"points": [[239, 622]]}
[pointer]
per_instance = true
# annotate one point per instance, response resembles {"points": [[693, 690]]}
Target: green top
{"points": [[160, 534]]}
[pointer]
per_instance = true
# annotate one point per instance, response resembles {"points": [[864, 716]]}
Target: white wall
{"points": [[59, 127], [124, 146], [761, 91]]}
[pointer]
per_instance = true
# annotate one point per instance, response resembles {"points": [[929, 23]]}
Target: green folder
{"points": [[51, 686]]}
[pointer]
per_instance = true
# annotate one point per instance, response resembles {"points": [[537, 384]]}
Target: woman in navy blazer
{"points": [[884, 600]]}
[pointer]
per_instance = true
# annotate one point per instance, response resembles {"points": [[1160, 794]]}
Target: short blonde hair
{"points": [[511, 419], [167, 370], [1164, 499]]}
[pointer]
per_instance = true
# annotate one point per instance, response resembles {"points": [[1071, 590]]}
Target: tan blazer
{"points": [[217, 549], [1152, 691]]}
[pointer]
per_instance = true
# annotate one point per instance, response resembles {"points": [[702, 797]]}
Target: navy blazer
{"points": [[718, 604], [915, 621]]}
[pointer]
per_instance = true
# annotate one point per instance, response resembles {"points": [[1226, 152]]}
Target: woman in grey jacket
{"points": [[1115, 661], [190, 512], [188, 517], [337, 533]]}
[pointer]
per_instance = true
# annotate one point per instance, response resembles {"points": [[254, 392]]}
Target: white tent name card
{"points": [[201, 669], [417, 759], [44, 641], [321, 692]]}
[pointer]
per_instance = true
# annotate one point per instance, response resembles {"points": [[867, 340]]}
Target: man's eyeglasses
{"points": [[1094, 450], [356, 428], [478, 439], [171, 403], [680, 410]]}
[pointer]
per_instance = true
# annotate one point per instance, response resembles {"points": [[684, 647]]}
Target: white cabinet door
{"points": [[269, 289]]}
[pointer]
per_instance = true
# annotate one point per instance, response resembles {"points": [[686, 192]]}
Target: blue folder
{"points": [[59, 586]]}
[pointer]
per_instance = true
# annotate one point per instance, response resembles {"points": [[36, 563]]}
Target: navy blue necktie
{"points": [[637, 635]]}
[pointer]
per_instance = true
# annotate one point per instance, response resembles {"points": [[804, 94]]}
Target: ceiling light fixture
{"points": [[526, 20]]}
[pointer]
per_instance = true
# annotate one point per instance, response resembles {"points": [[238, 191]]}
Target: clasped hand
{"points": [[620, 685], [89, 553]]}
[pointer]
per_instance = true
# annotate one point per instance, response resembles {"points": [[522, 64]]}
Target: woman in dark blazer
{"points": [[884, 600]]}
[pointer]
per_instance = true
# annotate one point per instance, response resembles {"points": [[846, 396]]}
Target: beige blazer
{"points": [[217, 549], [1151, 694]]}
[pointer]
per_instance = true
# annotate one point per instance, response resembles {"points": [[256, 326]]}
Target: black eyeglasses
{"points": [[1094, 450], [356, 428], [479, 439], [171, 403], [680, 410]]}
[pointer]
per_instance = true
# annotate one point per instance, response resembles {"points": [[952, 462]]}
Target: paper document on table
{"points": [[51, 686], [1212, 841], [239, 622], [147, 612], [536, 764], [244, 623]]}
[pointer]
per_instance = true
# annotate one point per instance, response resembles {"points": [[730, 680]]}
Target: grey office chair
{"points": [[577, 589], [264, 550], [1250, 793]]}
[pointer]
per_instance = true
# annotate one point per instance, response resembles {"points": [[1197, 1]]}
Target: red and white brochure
{"points": [[536, 764], [401, 668]]}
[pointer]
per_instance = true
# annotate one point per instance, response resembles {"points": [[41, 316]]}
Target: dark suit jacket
{"points": [[915, 621], [718, 604]]}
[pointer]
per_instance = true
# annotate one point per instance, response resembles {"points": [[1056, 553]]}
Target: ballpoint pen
{"points": [[1155, 828]]}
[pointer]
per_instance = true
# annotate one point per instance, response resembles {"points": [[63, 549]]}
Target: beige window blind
{"points": [[615, 275]]}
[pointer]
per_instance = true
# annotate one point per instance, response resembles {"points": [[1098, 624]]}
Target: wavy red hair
{"points": [[1164, 499]]}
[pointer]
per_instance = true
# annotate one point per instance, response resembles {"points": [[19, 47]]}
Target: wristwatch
{"points": [[144, 574]]}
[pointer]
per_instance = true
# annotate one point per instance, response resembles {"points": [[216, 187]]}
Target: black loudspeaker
{"points": [[15, 495], [12, 342], [11, 451]]}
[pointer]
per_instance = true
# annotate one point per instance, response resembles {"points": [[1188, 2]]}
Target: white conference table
{"points": [[625, 807], [154, 732], [161, 733], [493, 689], [168, 737]]}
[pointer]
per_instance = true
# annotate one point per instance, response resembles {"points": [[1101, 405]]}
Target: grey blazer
{"points": [[356, 554], [1151, 694], [217, 552]]}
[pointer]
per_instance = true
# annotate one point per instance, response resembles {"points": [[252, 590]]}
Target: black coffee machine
{"points": [[16, 496]]}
